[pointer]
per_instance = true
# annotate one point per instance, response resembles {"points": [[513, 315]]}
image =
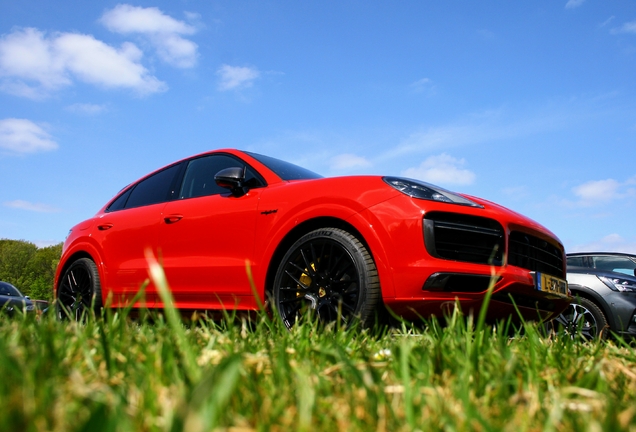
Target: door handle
{"points": [[104, 227], [172, 219]]}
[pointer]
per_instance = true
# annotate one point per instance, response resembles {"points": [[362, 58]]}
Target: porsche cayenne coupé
{"points": [[343, 246]]}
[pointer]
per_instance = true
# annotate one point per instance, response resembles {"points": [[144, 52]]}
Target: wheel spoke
{"points": [[309, 269], [293, 300], [294, 288], [76, 294], [320, 273], [297, 280], [314, 257], [578, 321]]}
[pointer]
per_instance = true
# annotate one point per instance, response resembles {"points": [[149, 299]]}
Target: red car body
{"points": [[423, 269]]}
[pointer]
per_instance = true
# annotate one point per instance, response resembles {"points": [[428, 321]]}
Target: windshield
{"points": [[9, 290], [285, 170]]}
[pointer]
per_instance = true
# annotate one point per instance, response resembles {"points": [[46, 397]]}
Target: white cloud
{"points": [[34, 207], [349, 161], [424, 85], [162, 31], [597, 191], [629, 27], [442, 169], [487, 127], [607, 21], [571, 4], [21, 136], [85, 108], [235, 77], [33, 64], [609, 243]]}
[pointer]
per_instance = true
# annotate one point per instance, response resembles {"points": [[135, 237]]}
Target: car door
{"points": [[207, 235], [129, 227]]}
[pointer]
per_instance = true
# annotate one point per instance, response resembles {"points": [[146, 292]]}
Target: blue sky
{"points": [[528, 104]]}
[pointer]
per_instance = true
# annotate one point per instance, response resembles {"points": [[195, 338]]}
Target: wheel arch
{"points": [[70, 259], [594, 297], [299, 231]]}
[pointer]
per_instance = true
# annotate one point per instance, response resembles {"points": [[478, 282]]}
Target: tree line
{"points": [[29, 268]]}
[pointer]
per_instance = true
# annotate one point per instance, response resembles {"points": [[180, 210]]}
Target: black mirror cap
{"points": [[232, 178]]}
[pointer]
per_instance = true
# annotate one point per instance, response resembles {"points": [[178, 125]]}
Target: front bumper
{"points": [[514, 295]]}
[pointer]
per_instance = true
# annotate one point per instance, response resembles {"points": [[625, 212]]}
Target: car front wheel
{"points": [[79, 291], [583, 318], [329, 272]]}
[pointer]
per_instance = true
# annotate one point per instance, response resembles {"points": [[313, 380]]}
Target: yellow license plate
{"points": [[551, 284]]}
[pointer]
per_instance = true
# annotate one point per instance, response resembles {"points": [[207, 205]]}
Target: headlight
{"points": [[426, 191], [619, 284]]}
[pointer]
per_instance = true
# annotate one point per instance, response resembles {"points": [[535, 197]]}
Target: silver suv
{"points": [[604, 287]]}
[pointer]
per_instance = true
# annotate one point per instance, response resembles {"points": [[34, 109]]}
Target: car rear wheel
{"points": [[330, 273], [79, 291], [584, 319]]}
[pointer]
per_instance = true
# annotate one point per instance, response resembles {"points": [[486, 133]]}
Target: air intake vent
{"points": [[535, 254], [464, 238]]}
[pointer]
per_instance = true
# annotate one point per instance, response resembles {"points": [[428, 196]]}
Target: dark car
{"points": [[342, 246], [604, 287], [12, 300]]}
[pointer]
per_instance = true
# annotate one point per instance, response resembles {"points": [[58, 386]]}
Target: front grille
{"points": [[480, 240], [464, 238], [535, 254]]}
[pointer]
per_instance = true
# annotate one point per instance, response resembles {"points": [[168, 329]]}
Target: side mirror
{"points": [[232, 178]]}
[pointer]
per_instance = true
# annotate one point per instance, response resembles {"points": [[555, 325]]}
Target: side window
{"points": [[155, 189], [8, 290], [199, 176], [119, 202], [575, 261], [615, 264]]}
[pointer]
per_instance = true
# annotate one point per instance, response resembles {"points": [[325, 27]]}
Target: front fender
{"points": [[84, 246]]}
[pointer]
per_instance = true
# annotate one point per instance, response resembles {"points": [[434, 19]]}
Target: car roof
{"points": [[622, 254]]}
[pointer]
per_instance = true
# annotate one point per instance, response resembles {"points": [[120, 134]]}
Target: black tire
{"points": [[330, 272], [582, 319], [79, 291]]}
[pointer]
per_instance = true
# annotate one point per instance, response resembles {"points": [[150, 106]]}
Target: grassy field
{"points": [[159, 373], [119, 374]]}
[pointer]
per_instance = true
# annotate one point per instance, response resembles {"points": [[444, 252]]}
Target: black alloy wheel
{"points": [[330, 273], [79, 291], [584, 319]]}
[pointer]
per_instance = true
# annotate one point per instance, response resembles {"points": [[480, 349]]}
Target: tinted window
{"points": [[199, 176], [285, 170], [614, 264], [9, 290], [155, 189], [119, 202], [575, 261]]}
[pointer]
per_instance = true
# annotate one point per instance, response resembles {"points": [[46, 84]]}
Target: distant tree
{"points": [[30, 269], [14, 258], [41, 271]]}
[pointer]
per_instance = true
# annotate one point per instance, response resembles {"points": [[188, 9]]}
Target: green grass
{"points": [[159, 373], [119, 374]]}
